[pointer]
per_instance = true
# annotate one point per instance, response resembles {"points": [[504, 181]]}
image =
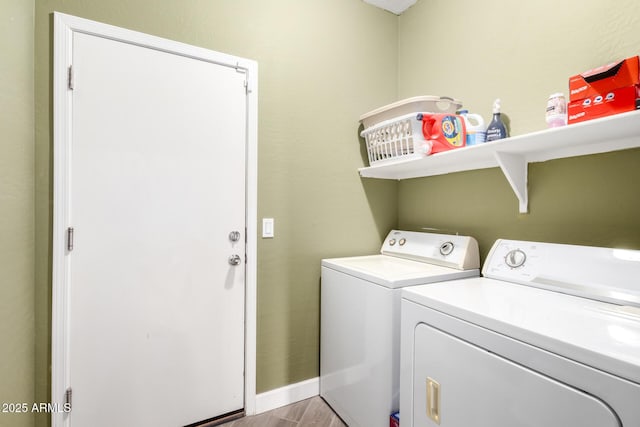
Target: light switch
{"points": [[267, 228]]}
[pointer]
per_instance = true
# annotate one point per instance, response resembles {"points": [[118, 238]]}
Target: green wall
{"points": [[520, 52], [320, 67], [16, 208], [322, 64]]}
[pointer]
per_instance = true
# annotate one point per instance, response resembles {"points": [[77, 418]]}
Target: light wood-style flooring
{"points": [[310, 412]]}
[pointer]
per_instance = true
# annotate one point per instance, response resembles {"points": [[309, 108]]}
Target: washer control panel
{"points": [[454, 251]]}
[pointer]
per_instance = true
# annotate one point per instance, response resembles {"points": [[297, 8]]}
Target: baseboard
{"points": [[287, 395]]}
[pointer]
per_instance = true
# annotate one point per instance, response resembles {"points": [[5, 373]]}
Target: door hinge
{"points": [[70, 239], [67, 399], [240, 69], [70, 77]]}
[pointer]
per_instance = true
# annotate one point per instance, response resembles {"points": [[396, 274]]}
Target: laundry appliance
{"points": [[360, 318], [549, 336]]}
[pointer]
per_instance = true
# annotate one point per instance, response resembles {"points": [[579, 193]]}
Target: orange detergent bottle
{"points": [[443, 132]]}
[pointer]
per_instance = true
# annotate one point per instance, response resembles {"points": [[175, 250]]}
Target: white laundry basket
{"points": [[395, 139], [394, 132]]}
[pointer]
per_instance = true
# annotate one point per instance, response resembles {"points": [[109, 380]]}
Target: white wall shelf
{"points": [[513, 155]]}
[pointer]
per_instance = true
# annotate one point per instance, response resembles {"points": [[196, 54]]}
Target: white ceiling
{"points": [[393, 6]]}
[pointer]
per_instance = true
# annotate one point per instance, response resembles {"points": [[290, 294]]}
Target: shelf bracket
{"points": [[515, 167]]}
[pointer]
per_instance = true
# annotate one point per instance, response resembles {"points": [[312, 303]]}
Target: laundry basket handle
{"points": [[447, 100]]}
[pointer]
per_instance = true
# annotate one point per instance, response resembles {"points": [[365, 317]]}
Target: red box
{"points": [[603, 91]]}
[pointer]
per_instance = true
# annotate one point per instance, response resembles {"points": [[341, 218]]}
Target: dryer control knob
{"points": [[392, 242], [515, 258]]}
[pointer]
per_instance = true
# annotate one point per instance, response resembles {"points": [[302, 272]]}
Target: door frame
{"points": [[64, 27]]}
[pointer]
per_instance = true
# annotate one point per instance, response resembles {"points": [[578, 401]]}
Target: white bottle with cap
{"points": [[476, 129]]}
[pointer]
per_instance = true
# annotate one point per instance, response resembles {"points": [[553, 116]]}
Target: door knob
{"points": [[235, 259]]}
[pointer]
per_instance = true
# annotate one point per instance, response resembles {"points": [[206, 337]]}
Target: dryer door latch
{"points": [[433, 400]]}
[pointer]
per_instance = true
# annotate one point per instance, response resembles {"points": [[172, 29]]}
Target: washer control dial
{"points": [[515, 258], [446, 248], [402, 241], [392, 242]]}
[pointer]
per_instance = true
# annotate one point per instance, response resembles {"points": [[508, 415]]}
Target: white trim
{"points": [[251, 295], [64, 27], [62, 113], [287, 395]]}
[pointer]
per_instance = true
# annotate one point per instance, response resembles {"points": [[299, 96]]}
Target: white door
{"points": [[157, 184]]}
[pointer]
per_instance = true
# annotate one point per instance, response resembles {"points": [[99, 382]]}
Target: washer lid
{"points": [[598, 334], [393, 272]]}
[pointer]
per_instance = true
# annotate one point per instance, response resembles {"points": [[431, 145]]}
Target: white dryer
{"points": [[549, 337], [360, 318]]}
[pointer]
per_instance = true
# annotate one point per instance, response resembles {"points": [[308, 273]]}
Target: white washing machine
{"points": [[360, 318], [550, 336]]}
